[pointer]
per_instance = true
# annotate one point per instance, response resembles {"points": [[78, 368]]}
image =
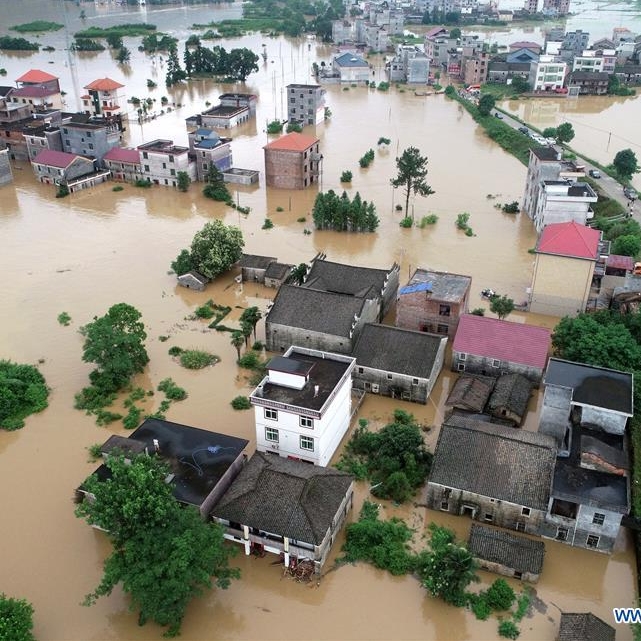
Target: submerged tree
{"points": [[216, 247], [502, 306], [175, 73], [16, 619], [163, 554], [342, 214], [412, 170]]}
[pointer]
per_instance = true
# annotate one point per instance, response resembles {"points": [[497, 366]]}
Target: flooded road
{"points": [[93, 249]]}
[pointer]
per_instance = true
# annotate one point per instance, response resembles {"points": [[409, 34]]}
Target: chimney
{"points": [[316, 390], [156, 446]]}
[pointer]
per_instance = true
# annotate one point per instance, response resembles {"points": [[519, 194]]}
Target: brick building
{"points": [[292, 161]]}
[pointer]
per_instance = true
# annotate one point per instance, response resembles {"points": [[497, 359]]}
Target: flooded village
{"points": [[83, 253]]}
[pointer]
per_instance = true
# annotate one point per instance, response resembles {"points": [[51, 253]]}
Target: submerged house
{"points": [[510, 398], [584, 626], [400, 363], [286, 508], [470, 393], [253, 268]]}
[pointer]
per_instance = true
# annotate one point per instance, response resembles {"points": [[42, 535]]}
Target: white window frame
{"points": [[496, 362], [596, 538], [598, 518], [462, 356], [307, 440], [526, 511], [302, 420], [270, 433], [270, 414]]}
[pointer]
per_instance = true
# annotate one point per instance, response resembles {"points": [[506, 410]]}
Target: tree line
{"points": [[235, 64]]}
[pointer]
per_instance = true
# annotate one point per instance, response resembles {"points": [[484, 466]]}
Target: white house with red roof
{"points": [[38, 89], [124, 164], [103, 98], [292, 161], [58, 167], [492, 347], [570, 262]]}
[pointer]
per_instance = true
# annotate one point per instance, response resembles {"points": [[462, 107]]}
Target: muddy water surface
{"points": [[93, 249]]}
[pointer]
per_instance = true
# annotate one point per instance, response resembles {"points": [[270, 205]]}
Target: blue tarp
{"points": [[416, 287]]}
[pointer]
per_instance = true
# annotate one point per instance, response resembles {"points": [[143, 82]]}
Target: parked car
{"points": [[498, 114], [630, 193], [550, 141], [524, 130], [594, 173]]}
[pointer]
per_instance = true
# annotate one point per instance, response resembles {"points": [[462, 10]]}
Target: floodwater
{"points": [[86, 252]]}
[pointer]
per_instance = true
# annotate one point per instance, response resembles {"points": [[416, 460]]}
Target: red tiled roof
{"points": [[569, 239], [292, 142], [434, 31], [122, 154], [620, 262], [503, 340], [35, 75], [104, 84], [60, 159]]}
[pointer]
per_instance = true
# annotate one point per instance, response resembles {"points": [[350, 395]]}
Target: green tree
{"points": [[16, 619], [251, 315], [625, 163], [23, 391], [216, 247], [487, 102], [115, 343], [412, 170], [163, 554], [183, 263], [549, 132], [502, 306], [298, 274], [114, 41], [237, 340], [175, 73], [564, 132], [241, 62], [216, 189], [447, 567], [124, 55], [628, 245], [600, 339], [455, 33], [183, 180], [500, 596], [520, 85]]}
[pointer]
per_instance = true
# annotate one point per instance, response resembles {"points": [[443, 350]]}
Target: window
{"points": [[389, 377], [65, 131], [496, 362], [525, 511], [461, 367], [520, 526], [172, 172], [442, 329], [488, 518], [164, 165], [88, 134], [562, 534], [360, 370], [271, 434], [443, 310], [445, 506], [307, 443], [462, 356], [90, 145], [592, 541], [272, 415], [518, 575], [145, 155], [306, 422], [415, 381], [171, 159], [598, 518], [147, 168]]}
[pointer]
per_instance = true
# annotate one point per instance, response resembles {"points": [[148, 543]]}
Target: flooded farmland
{"points": [[96, 248]]}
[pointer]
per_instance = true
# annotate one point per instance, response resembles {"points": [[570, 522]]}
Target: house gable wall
{"points": [[488, 366]]}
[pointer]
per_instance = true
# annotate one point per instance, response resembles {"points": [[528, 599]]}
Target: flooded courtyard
{"points": [[86, 252]]}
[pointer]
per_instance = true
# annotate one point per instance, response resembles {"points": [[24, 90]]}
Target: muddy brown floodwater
{"points": [[86, 252]]}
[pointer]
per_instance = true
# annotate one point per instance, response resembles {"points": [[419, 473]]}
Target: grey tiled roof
{"points": [[512, 392], [256, 262], [498, 546], [346, 279], [287, 498], [401, 351], [470, 392], [315, 310], [277, 270], [584, 626], [495, 461]]}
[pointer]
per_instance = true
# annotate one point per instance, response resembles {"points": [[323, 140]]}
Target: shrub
{"points": [[508, 630], [500, 596], [64, 318], [258, 346], [174, 350], [206, 310], [63, 191], [511, 208], [249, 360], [279, 208], [383, 141], [346, 176], [479, 311], [383, 86], [301, 219], [95, 451], [479, 606], [171, 390], [274, 127], [406, 222], [398, 207], [24, 392], [461, 221], [294, 126], [428, 220], [268, 224], [117, 188], [367, 158], [196, 359], [241, 403], [143, 182], [132, 420]]}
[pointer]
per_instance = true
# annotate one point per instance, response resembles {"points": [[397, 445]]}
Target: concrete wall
{"points": [[220, 156], [289, 169], [611, 422], [161, 170], [122, 171], [560, 210], [5, 167], [504, 514], [560, 285], [94, 142], [493, 367], [504, 570], [419, 312]]}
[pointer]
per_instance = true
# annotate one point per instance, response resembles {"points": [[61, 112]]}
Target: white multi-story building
{"points": [[303, 406], [547, 74], [588, 61], [161, 161], [306, 104]]}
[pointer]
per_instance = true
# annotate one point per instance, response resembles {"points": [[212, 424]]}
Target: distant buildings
{"points": [[103, 98], [38, 89], [305, 104], [547, 74]]}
